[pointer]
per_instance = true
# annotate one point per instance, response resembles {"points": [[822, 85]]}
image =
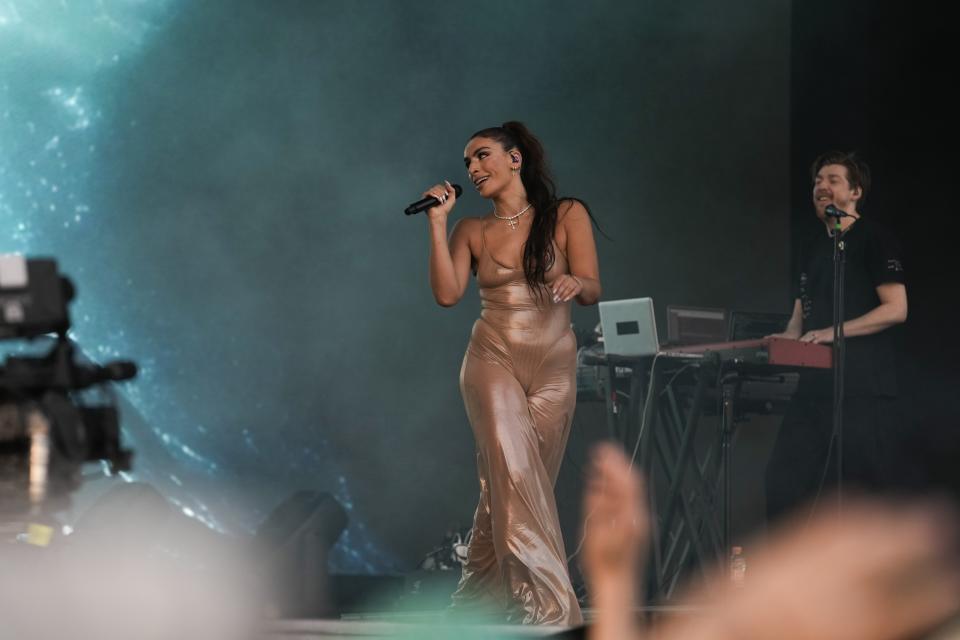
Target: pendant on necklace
{"points": [[513, 224]]}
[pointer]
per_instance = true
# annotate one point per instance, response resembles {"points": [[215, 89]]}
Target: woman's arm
{"points": [[449, 258], [584, 279]]}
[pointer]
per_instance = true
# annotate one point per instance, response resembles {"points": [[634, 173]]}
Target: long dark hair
{"points": [[538, 251]]}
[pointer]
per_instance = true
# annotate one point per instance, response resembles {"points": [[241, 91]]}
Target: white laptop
{"points": [[629, 327]]}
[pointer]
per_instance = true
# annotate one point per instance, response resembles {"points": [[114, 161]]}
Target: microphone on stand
{"points": [[832, 212], [429, 202]]}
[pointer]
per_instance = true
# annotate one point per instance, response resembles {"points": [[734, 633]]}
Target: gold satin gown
{"points": [[518, 382]]}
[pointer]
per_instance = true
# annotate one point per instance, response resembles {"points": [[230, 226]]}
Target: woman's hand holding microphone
{"points": [[446, 196]]}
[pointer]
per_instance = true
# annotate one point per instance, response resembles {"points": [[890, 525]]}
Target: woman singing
{"points": [[532, 255]]}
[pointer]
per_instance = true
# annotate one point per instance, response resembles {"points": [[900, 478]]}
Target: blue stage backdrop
{"points": [[224, 181]]}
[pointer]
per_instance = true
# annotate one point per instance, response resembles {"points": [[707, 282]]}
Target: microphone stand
{"points": [[839, 346]]}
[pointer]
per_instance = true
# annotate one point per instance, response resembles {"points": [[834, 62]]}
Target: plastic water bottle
{"points": [[738, 566]]}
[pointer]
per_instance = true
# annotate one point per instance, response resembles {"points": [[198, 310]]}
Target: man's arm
{"points": [[795, 326], [892, 310]]}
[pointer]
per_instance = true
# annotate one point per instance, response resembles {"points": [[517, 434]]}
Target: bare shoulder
{"points": [[468, 229], [571, 210], [469, 225]]}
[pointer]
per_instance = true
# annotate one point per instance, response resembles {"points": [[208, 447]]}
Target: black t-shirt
{"points": [[872, 258]]}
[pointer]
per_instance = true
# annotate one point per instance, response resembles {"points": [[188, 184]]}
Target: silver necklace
{"points": [[512, 220]]}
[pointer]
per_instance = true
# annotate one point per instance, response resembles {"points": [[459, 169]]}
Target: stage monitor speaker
{"points": [[294, 541], [696, 325]]}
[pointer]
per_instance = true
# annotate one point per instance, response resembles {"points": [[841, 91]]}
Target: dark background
{"points": [[230, 179], [874, 79]]}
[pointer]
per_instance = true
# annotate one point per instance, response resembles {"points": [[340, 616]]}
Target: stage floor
{"points": [[420, 626], [433, 626], [430, 625]]}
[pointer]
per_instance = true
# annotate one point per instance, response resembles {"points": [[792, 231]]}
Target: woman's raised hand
{"points": [[447, 197]]}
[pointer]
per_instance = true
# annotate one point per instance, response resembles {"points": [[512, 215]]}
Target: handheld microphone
{"points": [[428, 202]]}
